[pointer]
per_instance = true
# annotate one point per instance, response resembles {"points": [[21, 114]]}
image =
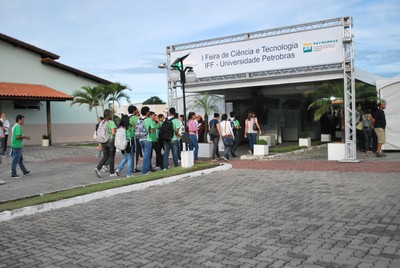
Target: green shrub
{"points": [[262, 142], [304, 135]]}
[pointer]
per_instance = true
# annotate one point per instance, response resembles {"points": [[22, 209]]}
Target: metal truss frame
{"points": [[349, 92], [347, 67]]}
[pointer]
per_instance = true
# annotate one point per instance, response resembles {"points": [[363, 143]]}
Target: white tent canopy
{"points": [[389, 90]]}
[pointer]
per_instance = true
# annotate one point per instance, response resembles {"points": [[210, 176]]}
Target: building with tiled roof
{"points": [[34, 83]]}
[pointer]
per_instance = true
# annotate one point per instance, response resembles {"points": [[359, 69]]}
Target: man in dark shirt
{"points": [[379, 127]]}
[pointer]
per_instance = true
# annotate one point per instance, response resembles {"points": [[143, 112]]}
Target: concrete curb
{"points": [[252, 157], [8, 215]]}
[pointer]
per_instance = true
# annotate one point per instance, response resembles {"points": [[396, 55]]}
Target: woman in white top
{"points": [[226, 132], [251, 129]]}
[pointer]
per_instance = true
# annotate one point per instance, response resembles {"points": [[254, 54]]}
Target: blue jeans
{"points": [[227, 149], [368, 138], [194, 144], [173, 146], [252, 140], [146, 147], [128, 157], [18, 159]]}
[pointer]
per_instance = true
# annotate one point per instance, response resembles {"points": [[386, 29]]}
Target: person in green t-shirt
{"points": [[108, 147], [17, 143], [154, 140], [145, 143]]}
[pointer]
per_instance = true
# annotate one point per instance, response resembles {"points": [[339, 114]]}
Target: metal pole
{"points": [[183, 82]]}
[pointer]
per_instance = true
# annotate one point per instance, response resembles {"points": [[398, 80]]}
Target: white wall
{"points": [[69, 123]]}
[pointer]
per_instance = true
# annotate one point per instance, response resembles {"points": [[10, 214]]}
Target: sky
{"points": [[125, 40]]}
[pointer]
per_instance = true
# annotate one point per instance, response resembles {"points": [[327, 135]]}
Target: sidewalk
{"points": [[61, 167]]}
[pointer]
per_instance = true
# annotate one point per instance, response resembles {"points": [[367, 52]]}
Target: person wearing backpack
{"points": [[173, 144], [235, 125], [107, 143], [142, 131], [133, 120], [215, 135], [154, 141], [135, 146], [127, 151]]}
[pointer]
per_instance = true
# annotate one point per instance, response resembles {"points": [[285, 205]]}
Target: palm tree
{"points": [[206, 103], [332, 93], [114, 93], [89, 96]]}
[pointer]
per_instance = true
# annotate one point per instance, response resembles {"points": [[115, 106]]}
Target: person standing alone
{"points": [[17, 143], [379, 120]]}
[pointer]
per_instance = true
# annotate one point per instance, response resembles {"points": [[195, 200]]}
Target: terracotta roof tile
{"points": [[30, 91]]}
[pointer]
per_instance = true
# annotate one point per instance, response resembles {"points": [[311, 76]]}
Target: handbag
{"points": [[227, 140], [255, 126], [360, 125]]}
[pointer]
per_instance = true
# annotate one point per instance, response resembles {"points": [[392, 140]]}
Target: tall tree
{"points": [[89, 96], [154, 100], [115, 93], [206, 103]]}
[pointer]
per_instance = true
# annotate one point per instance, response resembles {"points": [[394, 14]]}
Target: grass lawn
{"points": [[92, 188]]}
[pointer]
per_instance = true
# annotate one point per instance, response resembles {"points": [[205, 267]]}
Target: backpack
{"points": [[120, 141], [233, 126], [166, 131], [214, 131], [140, 130], [103, 135]]}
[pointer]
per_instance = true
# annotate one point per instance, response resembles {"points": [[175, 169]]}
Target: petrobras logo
{"points": [[307, 47], [320, 45]]}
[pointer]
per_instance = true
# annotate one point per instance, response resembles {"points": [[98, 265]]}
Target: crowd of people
{"points": [[148, 134], [370, 129]]}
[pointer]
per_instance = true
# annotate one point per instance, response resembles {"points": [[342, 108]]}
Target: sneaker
{"points": [[214, 160], [26, 173], [105, 169], [380, 155], [2, 182], [136, 170], [118, 172], [250, 152], [98, 174], [233, 154], [128, 176], [227, 160], [113, 175], [15, 176]]}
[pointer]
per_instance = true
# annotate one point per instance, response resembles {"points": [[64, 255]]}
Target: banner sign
{"points": [[300, 49]]}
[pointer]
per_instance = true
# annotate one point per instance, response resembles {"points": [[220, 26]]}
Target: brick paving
{"points": [[295, 211]]}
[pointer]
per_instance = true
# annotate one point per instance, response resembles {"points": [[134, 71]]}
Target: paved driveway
{"points": [[258, 214]]}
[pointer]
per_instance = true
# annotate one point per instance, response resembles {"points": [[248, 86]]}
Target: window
{"points": [[27, 105]]}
